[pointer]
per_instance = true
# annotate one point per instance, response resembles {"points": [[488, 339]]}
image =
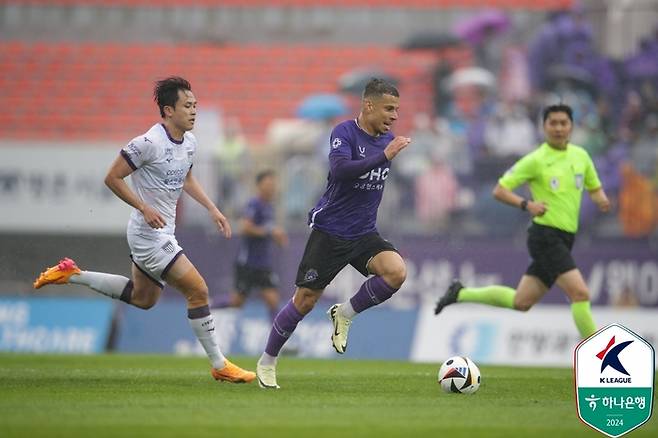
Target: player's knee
{"points": [[144, 303], [305, 300], [396, 275], [580, 295], [198, 295], [523, 305]]}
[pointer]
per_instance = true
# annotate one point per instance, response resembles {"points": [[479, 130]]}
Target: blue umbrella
{"points": [[353, 82], [322, 107]]}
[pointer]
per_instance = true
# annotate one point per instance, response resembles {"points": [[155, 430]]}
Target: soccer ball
{"points": [[459, 374]]}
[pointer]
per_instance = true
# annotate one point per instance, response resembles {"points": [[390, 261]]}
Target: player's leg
{"points": [[528, 292], [371, 255], [324, 256], [389, 272], [243, 279], [182, 275], [271, 298], [146, 290], [573, 284], [233, 299], [284, 324], [66, 271]]}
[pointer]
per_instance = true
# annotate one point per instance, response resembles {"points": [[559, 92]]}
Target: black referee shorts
{"points": [[325, 256], [248, 279], [550, 249]]}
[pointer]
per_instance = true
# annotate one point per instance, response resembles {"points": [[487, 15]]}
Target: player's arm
{"points": [[249, 228], [508, 197], [600, 199], [115, 181], [344, 168], [193, 188], [595, 188], [520, 173]]}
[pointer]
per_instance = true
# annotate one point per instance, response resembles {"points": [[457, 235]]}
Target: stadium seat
{"points": [[100, 89]]}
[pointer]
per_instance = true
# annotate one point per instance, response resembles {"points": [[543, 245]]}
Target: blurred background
{"points": [[272, 78]]}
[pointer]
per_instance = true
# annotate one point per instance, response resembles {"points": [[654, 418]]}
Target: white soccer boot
{"points": [[266, 376], [341, 328]]}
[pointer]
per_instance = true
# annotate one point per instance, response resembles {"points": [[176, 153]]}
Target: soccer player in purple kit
{"points": [[253, 266], [343, 227]]}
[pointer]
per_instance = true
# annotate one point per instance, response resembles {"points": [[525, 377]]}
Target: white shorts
{"points": [[154, 253]]}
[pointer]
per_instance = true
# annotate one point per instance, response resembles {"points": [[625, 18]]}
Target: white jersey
{"points": [[161, 165]]}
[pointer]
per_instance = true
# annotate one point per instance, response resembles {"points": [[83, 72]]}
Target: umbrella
{"points": [[321, 107], [573, 76], [473, 76], [642, 66], [430, 40], [476, 28], [355, 81]]}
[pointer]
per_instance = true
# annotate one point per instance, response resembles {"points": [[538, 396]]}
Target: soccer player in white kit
{"points": [[160, 165]]}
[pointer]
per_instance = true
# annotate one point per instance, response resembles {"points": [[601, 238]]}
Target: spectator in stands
{"points": [[232, 157], [509, 132], [253, 266], [436, 191], [160, 164]]}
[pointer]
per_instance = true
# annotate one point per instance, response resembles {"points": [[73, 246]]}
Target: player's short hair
{"points": [[264, 174], [377, 87], [558, 108], [165, 92]]}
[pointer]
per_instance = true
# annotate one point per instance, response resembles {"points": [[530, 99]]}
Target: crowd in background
{"points": [[487, 116]]}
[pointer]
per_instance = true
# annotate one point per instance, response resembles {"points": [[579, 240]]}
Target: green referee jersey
{"points": [[557, 178]]}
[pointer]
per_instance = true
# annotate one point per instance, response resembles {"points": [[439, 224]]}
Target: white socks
{"points": [[108, 284], [204, 329], [346, 310], [266, 359]]}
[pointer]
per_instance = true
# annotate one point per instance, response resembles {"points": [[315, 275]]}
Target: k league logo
{"points": [[614, 371]]}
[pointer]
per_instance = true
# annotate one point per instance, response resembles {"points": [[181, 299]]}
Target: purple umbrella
{"points": [[644, 65], [476, 28]]}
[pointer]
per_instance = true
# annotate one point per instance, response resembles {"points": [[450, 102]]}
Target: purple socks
{"points": [[373, 291], [284, 324]]}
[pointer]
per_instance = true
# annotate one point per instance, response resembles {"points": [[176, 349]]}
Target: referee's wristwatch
{"points": [[524, 205]]}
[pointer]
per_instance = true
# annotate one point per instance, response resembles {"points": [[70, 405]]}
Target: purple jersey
{"points": [[255, 252], [358, 170]]}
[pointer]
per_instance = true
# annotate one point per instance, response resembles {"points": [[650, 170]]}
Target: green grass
{"points": [[164, 396]]}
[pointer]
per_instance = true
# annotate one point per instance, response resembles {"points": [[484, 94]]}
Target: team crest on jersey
{"points": [[555, 183], [336, 143], [580, 179], [311, 275]]}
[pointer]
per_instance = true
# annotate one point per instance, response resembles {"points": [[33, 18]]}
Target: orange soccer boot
{"points": [[232, 373], [58, 274]]}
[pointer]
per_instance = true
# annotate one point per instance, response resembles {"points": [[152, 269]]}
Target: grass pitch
{"points": [[164, 396]]}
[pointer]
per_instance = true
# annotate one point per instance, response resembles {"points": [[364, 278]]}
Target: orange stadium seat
{"points": [[103, 91]]}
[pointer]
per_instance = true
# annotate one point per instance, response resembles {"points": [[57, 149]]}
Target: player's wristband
{"points": [[524, 205]]}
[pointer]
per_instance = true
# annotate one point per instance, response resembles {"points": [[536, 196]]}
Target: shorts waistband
{"points": [[539, 227]]}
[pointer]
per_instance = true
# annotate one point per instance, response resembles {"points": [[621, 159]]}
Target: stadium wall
{"points": [[623, 280]]}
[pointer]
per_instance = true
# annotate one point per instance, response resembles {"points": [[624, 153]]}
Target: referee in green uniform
{"points": [[557, 173]]}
